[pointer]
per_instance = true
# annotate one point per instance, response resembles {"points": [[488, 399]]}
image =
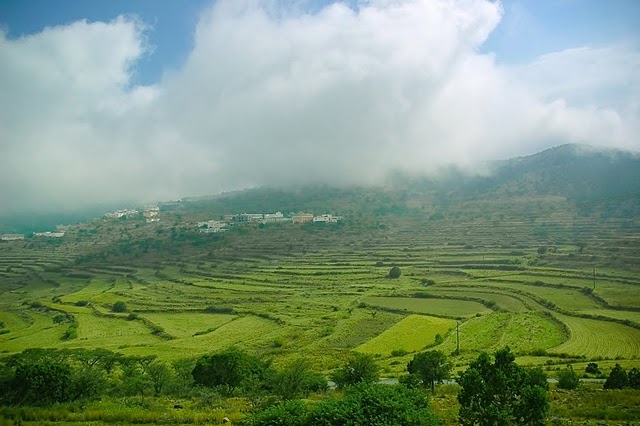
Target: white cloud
{"points": [[270, 94]]}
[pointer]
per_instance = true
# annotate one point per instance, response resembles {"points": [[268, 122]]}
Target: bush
{"points": [[297, 380], [360, 368], [229, 370], [430, 367], [592, 368], [395, 272], [119, 306], [41, 383], [501, 392], [362, 405], [288, 413], [568, 379], [617, 378], [634, 378]]}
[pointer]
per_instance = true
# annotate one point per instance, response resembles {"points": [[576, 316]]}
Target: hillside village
{"points": [[151, 214], [214, 226]]}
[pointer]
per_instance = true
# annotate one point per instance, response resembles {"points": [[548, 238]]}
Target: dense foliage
{"points": [[617, 379], [568, 379], [429, 368], [360, 368], [231, 369], [362, 405], [501, 392]]}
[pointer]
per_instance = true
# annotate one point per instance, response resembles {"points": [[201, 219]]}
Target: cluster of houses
{"points": [[214, 226], [126, 213], [150, 213], [16, 237], [49, 234]]}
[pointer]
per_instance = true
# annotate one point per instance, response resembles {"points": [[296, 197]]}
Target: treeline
{"points": [[491, 390]]}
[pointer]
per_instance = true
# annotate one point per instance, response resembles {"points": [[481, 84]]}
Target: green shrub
{"points": [[399, 352], [119, 306], [395, 272], [634, 378], [592, 368], [360, 368], [568, 379], [617, 378]]}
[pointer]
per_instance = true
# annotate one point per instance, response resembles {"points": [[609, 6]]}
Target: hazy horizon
{"points": [[108, 104]]}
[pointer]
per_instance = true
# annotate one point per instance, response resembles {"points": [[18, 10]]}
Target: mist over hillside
{"points": [[579, 173]]}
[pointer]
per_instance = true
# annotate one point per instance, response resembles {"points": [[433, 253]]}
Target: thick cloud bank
{"points": [[270, 94]]}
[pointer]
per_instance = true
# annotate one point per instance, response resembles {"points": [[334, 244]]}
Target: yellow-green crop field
{"points": [[412, 334], [593, 339], [440, 307]]}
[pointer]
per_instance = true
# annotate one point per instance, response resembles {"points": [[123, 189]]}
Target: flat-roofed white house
{"points": [[11, 237]]}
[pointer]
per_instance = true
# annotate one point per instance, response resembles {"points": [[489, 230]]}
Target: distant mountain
{"points": [[577, 172], [581, 174]]}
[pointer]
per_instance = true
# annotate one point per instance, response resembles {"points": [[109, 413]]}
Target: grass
{"points": [[523, 333], [593, 338], [411, 334], [503, 301], [111, 333], [183, 325], [438, 307], [42, 332]]}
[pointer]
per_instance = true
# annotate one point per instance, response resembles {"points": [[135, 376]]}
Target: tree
{"points": [[592, 368], [42, 382], [617, 378], [360, 368], [298, 380], [568, 379], [119, 306], [160, 375], [501, 392], [229, 370], [634, 378], [395, 272], [430, 367]]}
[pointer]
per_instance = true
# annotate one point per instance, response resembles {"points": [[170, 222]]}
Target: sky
{"points": [[144, 100]]}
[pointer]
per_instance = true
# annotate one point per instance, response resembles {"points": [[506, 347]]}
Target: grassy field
{"points": [[517, 273], [438, 307], [599, 339], [412, 334]]}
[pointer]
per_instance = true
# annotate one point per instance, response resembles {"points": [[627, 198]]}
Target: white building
{"points": [[121, 213], [11, 237], [327, 218], [49, 234], [212, 226], [275, 217]]}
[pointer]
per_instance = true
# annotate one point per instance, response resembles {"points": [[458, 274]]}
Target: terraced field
{"points": [[412, 334], [323, 291], [599, 339]]}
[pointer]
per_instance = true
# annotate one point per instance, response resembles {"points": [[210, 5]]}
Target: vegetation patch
{"points": [[593, 338], [412, 334], [438, 307]]}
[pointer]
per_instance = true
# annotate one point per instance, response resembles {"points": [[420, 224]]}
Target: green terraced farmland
{"points": [[411, 334], [521, 332], [438, 307], [593, 338]]}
